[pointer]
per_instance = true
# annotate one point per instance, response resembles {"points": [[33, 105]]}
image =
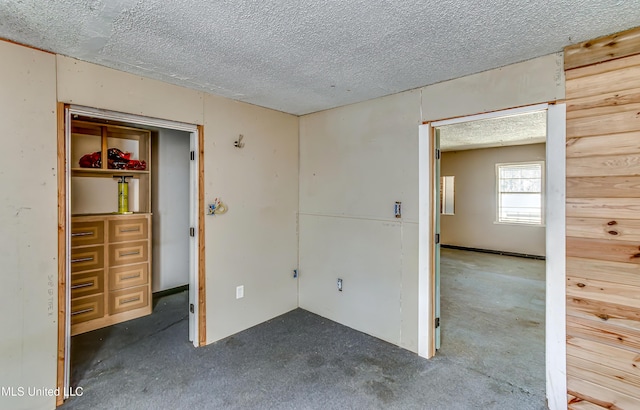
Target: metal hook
{"points": [[239, 143]]}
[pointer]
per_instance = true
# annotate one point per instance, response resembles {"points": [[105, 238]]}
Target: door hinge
{"points": [[193, 155], [438, 154], [437, 322], [192, 231], [192, 308], [437, 238]]}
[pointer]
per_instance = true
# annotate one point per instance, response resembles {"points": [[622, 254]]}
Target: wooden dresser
{"points": [[110, 270]]}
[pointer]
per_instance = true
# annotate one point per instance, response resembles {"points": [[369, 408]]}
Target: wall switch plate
{"points": [[240, 292], [340, 285]]}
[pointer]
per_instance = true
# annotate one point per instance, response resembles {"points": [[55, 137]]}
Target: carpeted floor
{"points": [[492, 355]]}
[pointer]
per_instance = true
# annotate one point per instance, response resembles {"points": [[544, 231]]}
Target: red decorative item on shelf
{"points": [[116, 160], [91, 160]]}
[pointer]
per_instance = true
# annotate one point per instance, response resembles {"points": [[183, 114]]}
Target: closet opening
{"points": [[133, 261]]}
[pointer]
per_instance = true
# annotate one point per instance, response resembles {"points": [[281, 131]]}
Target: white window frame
{"points": [[542, 190]]}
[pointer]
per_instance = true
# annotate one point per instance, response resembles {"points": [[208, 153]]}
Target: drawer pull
{"points": [[82, 285], [81, 234], [89, 259], [130, 253], [136, 229], [125, 301], [82, 311], [137, 275]]}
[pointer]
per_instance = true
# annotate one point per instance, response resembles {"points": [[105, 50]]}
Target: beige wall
{"points": [[254, 244], [355, 162], [474, 223], [28, 225]]}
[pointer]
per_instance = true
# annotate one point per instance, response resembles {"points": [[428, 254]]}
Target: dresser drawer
{"points": [[87, 233], [128, 229], [88, 308], [128, 299], [127, 253], [87, 283], [88, 258], [128, 276]]}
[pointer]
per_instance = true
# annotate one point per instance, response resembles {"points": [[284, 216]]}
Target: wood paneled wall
{"points": [[603, 222]]}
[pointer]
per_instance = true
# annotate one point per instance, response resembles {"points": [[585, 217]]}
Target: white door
{"points": [[193, 241], [436, 255]]}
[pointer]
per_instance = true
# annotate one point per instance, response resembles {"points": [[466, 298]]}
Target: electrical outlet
{"points": [[240, 292], [340, 285]]}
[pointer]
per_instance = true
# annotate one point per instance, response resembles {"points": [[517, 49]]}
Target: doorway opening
{"points": [[492, 247], [132, 217], [508, 201]]}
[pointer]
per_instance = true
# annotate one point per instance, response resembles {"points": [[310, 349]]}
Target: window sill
{"points": [[531, 225]]}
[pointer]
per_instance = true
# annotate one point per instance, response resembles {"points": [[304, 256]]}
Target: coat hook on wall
{"points": [[239, 143]]}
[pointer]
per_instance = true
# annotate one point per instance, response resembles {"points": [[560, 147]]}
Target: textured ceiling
{"points": [[303, 56], [520, 129]]}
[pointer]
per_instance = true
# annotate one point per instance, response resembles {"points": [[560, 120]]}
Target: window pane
{"points": [[520, 193], [521, 171], [520, 185], [532, 172], [521, 200]]}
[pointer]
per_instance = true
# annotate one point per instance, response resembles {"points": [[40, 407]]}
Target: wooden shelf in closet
{"points": [[99, 172]]}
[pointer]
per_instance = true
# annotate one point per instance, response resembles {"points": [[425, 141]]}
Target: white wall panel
{"points": [[409, 286], [359, 159], [366, 255], [355, 162], [255, 243], [28, 221], [534, 81]]}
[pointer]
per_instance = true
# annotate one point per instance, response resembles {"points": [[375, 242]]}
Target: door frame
{"points": [[197, 245], [555, 203]]}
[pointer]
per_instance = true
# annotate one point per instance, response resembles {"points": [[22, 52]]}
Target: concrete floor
{"points": [[492, 315], [492, 355]]}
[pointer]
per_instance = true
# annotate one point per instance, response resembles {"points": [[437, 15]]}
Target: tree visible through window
{"points": [[520, 188]]}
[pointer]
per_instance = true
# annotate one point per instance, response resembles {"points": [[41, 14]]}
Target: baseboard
{"points": [[171, 291], [516, 254]]}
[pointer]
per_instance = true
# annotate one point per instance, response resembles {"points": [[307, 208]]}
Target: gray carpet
{"points": [[302, 361]]}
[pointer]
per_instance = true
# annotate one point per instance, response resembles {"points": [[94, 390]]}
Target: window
{"points": [[447, 192], [520, 188]]}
